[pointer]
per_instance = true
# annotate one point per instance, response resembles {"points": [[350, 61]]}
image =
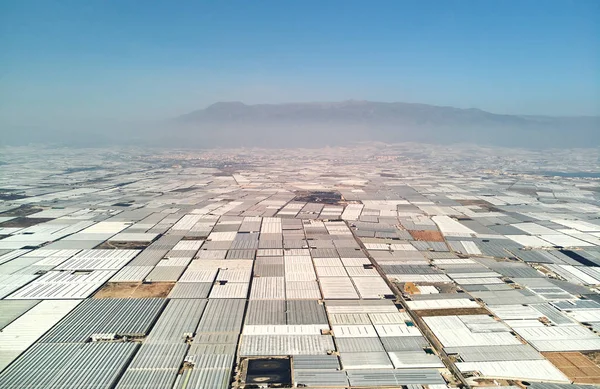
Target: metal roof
{"points": [[260, 312], [205, 378], [230, 290], [216, 338], [338, 288], [99, 260], [132, 317], [305, 312], [177, 322], [452, 331], [507, 297], [385, 377], [551, 313], [563, 338], [207, 348], [513, 352], [414, 359], [147, 378], [190, 290], [268, 288], [89, 365], [389, 318], [195, 274], [222, 315], [349, 318], [302, 290], [357, 345], [165, 273], [360, 306], [149, 257], [25, 330], [315, 362], [548, 385], [425, 246], [324, 378], [268, 270], [573, 305], [202, 356], [371, 287], [61, 285], [541, 370], [12, 309], [132, 274], [241, 254], [159, 356], [404, 343], [281, 345], [244, 244]]}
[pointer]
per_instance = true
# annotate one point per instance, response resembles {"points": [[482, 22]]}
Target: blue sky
{"points": [[132, 60]]}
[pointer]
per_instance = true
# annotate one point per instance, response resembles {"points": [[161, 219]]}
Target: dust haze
{"points": [[235, 124]]}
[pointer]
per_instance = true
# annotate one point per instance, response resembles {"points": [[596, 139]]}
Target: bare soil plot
{"points": [[325, 197], [23, 210], [594, 356], [576, 366], [430, 236], [23, 222], [134, 290]]}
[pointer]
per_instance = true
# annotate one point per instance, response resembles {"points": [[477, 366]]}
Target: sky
{"points": [[103, 60]]}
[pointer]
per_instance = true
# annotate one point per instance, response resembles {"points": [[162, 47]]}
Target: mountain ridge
{"points": [[359, 120], [352, 102], [318, 124]]}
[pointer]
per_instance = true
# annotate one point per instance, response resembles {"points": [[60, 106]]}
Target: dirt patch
{"points": [[488, 207], [23, 210], [430, 236], [322, 197], [452, 312], [494, 382], [411, 288], [111, 245], [134, 290], [24, 222], [575, 365], [594, 356], [542, 269], [443, 287]]}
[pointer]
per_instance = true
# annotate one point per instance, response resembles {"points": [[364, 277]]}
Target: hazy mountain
{"points": [[316, 124], [233, 124]]}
